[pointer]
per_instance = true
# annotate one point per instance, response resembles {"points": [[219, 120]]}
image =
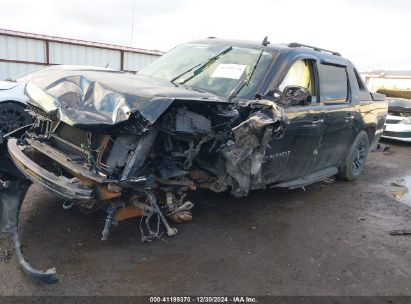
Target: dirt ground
{"points": [[331, 239]]}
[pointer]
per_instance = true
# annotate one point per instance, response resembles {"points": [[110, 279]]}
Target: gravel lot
{"points": [[331, 239]]}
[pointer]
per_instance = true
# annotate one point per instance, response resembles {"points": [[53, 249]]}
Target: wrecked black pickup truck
{"points": [[215, 114]]}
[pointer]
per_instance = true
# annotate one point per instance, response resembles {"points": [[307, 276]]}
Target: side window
{"points": [[359, 80], [333, 83], [300, 74]]}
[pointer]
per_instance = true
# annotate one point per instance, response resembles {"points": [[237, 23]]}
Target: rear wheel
{"points": [[354, 161], [13, 116]]}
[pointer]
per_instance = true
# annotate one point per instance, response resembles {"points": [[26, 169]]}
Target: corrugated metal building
{"points": [[21, 52]]}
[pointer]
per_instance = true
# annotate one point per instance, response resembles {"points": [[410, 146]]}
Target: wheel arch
{"points": [[17, 102], [370, 130]]}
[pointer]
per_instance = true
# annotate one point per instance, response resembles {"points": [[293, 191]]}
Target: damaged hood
{"points": [[106, 98]]}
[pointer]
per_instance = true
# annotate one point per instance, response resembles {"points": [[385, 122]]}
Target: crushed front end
{"points": [[103, 150], [129, 173]]}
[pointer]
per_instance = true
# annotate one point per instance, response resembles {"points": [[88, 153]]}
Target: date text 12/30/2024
{"points": [[204, 299]]}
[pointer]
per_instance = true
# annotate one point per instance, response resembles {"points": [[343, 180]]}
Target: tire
{"points": [[354, 162], [13, 116]]}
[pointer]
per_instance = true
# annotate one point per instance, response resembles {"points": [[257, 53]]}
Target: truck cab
{"points": [[321, 130]]}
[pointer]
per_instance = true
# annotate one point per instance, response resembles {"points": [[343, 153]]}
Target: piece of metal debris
{"points": [[381, 148], [399, 190], [400, 232], [109, 221]]}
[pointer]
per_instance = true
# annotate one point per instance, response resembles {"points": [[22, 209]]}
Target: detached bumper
{"points": [[58, 184], [11, 199]]}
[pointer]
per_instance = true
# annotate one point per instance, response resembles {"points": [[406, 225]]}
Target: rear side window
{"points": [[359, 80], [333, 83]]}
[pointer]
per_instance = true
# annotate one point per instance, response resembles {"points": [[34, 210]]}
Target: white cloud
{"points": [[372, 34]]}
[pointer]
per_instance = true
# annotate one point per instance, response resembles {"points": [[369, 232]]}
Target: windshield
{"points": [[215, 68]]}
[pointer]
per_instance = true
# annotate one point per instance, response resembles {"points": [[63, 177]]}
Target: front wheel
{"points": [[13, 116], [354, 162]]}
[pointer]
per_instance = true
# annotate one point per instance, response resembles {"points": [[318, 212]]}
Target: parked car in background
{"points": [[13, 100], [398, 123], [12, 105]]}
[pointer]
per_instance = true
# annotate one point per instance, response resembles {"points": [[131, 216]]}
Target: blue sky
{"points": [[372, 34]]}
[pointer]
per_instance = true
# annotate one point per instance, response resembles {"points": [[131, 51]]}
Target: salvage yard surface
{"points": [[331, 239]]}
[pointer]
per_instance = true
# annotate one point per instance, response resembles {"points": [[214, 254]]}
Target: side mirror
{"points": [[296, 96], [272, 94]]}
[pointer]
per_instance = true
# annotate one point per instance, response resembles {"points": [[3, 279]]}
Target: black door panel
{"points": [[295, 154], [338, 132]]}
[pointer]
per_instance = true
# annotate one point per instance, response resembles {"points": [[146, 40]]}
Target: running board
{"points": [[308, 179]]}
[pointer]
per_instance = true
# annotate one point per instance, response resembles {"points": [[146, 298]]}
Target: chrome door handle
{"points": [[317, 121]]}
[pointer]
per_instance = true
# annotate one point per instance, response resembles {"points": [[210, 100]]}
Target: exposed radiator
{"points": [[75, 142], [39, 112]]}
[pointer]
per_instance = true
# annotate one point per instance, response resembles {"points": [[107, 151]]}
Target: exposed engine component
{"points": [[120, 151], [191, 122]]}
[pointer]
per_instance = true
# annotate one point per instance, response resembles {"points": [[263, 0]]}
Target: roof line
{"points": [[78, 42]]}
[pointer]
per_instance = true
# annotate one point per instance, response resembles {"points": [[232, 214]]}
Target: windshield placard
{"points": [[229, 70]]}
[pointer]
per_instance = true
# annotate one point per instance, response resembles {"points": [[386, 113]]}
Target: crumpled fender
{"points": [[13, 189], [245, 153]]}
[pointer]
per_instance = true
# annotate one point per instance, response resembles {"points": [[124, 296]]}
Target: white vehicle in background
{"points": [[12, 105], [13, 100], [398, 123]]}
